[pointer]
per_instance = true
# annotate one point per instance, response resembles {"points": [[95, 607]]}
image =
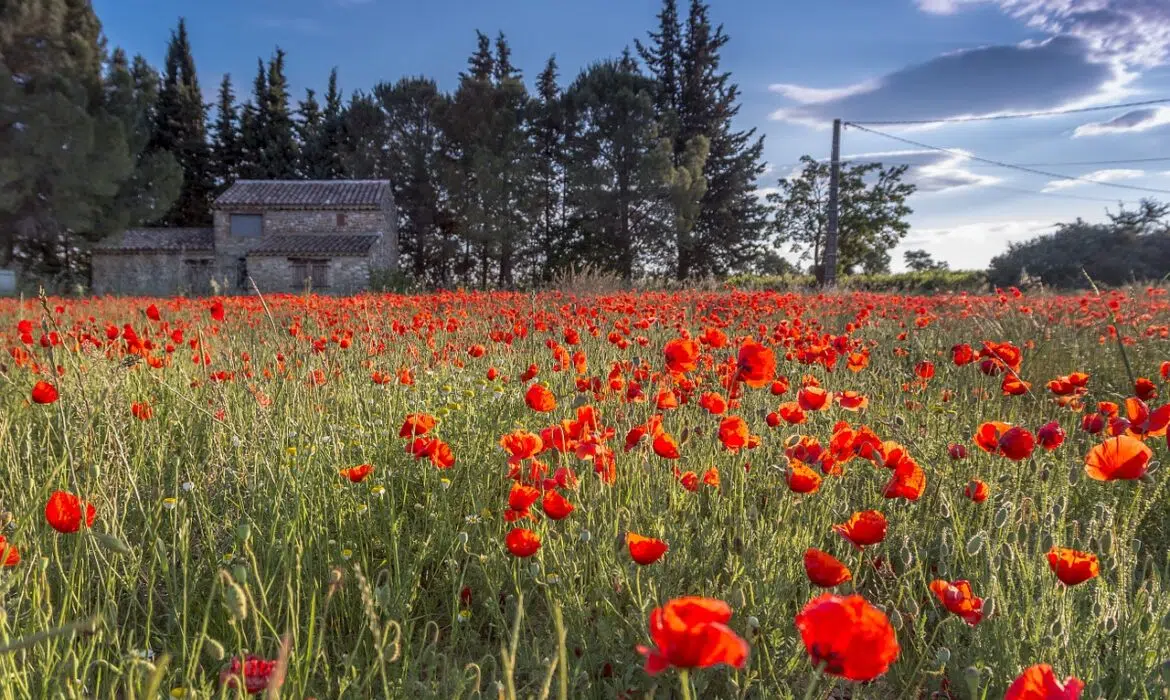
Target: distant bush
{"points": [[922, 281]]}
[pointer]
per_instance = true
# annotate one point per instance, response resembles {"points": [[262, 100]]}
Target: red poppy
{"points": [[1012, 385], [1072, 567], [256, 673], [734, 433], [665, 446], [1015, 443], [63, 512], [1039, 682], [824, 569], [756, 364], [812, 398], [962, 354], [44, 393], [682, 355], [713, 403], [358, 473], [645, 550], [416, 424], [555, 506], [1121, 457], [522, 543], [141, 410], [217, 311], [1050, 435], [152, 313], [441, 455], [692, 632], [521, 445], [976, 490], [908, 481], [958, 599], [9, 554], [847, 636], [957, 451], [851, 400], [801, 478], [791, 413], [1141, 422], [924, 369], [540, 399], [1145, 389], [520, 500], [863, 529]]}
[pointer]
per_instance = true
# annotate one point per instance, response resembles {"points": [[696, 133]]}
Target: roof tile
{"points": [[144, 240], [306, 194]]}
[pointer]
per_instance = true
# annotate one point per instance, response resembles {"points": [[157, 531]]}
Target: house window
{"points": [[241, 272], [340, 220], [309, 272], [247, 224]]}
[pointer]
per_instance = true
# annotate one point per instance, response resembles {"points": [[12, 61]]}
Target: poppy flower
{"points": [[1012, 385], [1145, 389], [824, 570], [63, 512], [9, 554], [682, 355], [976, 490], [540, 399], [1072, 567], [863, 529], [755, 364], [217, 311], [141, 410], [1050, 435], [441, 455], [692, 632], [924, 369], [1015, 443], [812, 398], [713, 403], [962, 354], [957, 598], [733, 433], [520, 499], [851, 400], [521, 445], [555, 506], [521, 542], [908, 481], [665, 446], [791, 413], [801, 478], [358, 473], [44, 393], [416, 424], [1121, 457], [1141, 422], [645, 550], [1039, 682], [256, 673], [956, 451], [847, 636]]}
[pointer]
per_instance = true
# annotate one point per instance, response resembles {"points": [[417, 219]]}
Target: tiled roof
{"points": [[306, 194], [320, 244], [143, 240]]}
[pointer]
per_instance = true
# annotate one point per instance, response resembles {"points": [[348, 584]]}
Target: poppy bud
{"points": [[895, 617], [972, 676], [243, 532], [462, 537], [1074, 473], [213, 649], [943, 656], [944, 509], [240, 573], [111, 543], [1002, 515], [95, 471], [585, 536], [534, 569], [754, 622], [975, 544], [988, 606], [1110, 625]]}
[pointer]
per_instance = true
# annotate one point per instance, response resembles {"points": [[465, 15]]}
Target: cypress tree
{"points": [[279, 152], [309, 132], [180, 128], [547, 128], [328, 150], [226, 141], [254, 127]]}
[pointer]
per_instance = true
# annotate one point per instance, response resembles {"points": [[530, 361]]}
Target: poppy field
{"points": [[703, 494]]}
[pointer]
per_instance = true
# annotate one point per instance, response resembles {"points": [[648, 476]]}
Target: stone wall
{"points": [[150, 274], [346, 275], [300, 222]]}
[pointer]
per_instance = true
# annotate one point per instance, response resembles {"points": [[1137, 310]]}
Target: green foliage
{"points": [[872, 214], [1133, 246], [921, 261], [226, 145], [919, 282]]}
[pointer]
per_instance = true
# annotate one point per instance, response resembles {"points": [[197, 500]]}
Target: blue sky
{"points": [[799, 63]]}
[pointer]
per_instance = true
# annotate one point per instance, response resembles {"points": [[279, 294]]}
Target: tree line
{"points": [[634, 167]]}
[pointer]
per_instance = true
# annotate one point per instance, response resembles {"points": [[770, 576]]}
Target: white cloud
{"points": [[1111, 175], [969, 246], [807, 95], [1137, 120]]}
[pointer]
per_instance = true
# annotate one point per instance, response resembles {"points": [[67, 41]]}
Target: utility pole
{"points": [[829, 264]]}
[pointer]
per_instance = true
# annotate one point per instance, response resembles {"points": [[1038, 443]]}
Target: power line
{"points": [[1010, 166], [878, 158], [1020, 115]]}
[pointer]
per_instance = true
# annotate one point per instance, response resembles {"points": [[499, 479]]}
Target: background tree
{"points": [[616, 170], [871, 214], [226, 140], [547, 127], [254, 127], [180, 129], [308, 129], [922, 261], [279, 152]]}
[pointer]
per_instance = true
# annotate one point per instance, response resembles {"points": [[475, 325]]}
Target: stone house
{"points": [[286, 235]]}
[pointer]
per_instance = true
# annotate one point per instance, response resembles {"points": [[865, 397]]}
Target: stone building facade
{"points": [[283, 235]]}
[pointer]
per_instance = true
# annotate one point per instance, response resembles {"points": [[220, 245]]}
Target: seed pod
{"points": [[973, 679], [1074, 474], [1110, 625], [905, 554], [1002, 515], [462, 537], [1046, 542], [585, 536], [975, 544], [213, 649], [1055, 628], [943, 656], [111, 543], [944, 509], [243, 532], [1058, 509], [895, 618], [988, 606], [240, 573]]}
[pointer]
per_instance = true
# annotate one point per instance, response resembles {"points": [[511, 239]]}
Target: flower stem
{"points": [[685, 679]]}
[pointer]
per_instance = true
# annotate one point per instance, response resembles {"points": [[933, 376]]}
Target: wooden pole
{"points": [[829, 265]]}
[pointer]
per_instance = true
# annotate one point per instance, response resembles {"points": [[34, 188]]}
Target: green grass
{"points": [[363, 581]]}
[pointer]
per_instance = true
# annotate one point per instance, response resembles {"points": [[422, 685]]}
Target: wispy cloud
{"points": [[1111, 175], [1137, 120]]}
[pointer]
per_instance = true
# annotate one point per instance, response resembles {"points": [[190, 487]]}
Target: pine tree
{"points": [[510, 188], [616, 169], [309, 122], [254, 127], [327, 159], [279, 154], [180, 129], [696, 99], [226, 142], [547, 126]]}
